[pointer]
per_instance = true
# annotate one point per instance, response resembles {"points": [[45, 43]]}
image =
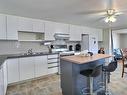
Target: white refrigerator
{"points": [[90, 43]]}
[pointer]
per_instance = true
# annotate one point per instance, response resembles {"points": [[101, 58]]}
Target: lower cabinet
{"points": [[40, 65], [19, 69], [26, 68], [5, 76], [13, 70], [1, 81]]}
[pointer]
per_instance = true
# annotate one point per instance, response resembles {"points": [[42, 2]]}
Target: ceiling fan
{"points": [[109, 15]]}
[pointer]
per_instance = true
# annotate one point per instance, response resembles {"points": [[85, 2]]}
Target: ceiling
{"points": [[80, 12]]}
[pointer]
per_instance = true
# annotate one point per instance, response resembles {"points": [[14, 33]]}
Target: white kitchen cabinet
{"points": [[53, 62], [26, 68], [49, 30], [40, 65], [62, 28], [2, 27], [52, 27], [5, 77], [1, 80], [75, 32], [53, 70], [12, 27], [13, 70], [25, 24], [38, 26]]}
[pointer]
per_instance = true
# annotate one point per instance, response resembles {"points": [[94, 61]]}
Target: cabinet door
{"points": [[49, 30], [1, 81], [25, 24], [62, 28], [5, 77], [52, 27], [12, 28], [26, 66], [38, 26], [40, 66], [2, 26], [75, 32], [13, 70]]}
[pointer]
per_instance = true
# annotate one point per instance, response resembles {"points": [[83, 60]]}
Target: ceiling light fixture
{"points": [[110, 19], [111, 16]]}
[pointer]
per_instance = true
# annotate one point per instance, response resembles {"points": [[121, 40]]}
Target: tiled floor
{"points": [[50, 85]]}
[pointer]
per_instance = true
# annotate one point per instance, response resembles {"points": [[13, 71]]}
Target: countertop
{"points": [[78, 59], [20, 55]]}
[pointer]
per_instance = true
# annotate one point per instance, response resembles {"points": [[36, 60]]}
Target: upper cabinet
{"points": [[25, 24], [38, 26], [12, 27], [2, 27], [49, 30], [61, 28], [75, 32], [30, 25], [52, 27], [41, 30]]}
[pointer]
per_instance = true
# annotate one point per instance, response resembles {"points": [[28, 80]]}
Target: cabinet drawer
{"points": [[52, 60], [53, 70], [52, 65], [53, 56]]}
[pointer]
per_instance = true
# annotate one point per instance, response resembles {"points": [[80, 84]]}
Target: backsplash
{"points": [[13, 47]]}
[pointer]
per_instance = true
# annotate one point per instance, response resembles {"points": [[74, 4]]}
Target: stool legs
{"points": [[91, 85], [89, 88], [107, 92]]}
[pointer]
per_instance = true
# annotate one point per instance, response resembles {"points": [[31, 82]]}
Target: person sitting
{"points": [[101, 51]]}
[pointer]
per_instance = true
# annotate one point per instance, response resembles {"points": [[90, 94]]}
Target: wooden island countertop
{"points": [[78, 59]]}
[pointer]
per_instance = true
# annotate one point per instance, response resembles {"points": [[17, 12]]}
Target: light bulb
{"points": [[110, 19], [106, 19]]}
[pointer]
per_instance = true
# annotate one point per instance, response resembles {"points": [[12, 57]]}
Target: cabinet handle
{"points": [[52, 67]]}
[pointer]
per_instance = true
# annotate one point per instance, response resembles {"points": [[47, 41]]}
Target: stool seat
{"points": [[111, 67], [92, 72], [86, 72]]}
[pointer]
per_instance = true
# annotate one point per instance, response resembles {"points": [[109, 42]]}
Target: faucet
{"points": [[30, 51]]}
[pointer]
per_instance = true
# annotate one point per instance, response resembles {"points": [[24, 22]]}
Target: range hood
{"points": [[61, 36], [60, 39]]}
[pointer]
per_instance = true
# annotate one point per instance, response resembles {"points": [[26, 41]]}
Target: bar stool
{"points": [[90, 73], [107, 70]]}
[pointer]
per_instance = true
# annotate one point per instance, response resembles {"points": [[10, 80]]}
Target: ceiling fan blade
{"points": [[118, 13], [92, 12]]}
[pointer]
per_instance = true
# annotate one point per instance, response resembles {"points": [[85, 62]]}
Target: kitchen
{"points": [[25, 41]]}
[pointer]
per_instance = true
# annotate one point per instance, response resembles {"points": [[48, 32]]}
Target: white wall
{"points": [[106, 40], [116, 40], [123, 40], [120, 38]]}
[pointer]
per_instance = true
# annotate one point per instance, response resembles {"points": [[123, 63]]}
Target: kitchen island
{"points": [[72, 82]]}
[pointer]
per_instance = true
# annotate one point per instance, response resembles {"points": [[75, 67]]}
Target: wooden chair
{"points": [[124, 59]]}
